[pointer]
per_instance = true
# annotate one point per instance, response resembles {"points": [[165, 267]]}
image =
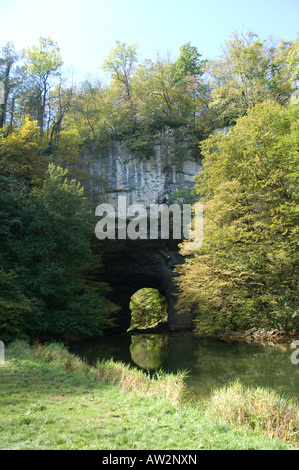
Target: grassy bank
{"points": [[51, 399]]}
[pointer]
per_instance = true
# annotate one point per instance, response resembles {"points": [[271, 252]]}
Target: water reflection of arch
{"points": [[149, 351]]}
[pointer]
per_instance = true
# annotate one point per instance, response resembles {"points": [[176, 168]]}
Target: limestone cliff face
{"points": [[145, 180]]}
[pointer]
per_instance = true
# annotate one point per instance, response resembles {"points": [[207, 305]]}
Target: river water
{"points": [[210, 363]]}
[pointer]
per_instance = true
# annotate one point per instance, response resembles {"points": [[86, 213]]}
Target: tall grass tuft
{"points": [[258, 408], [167, 386], [57, 353]]}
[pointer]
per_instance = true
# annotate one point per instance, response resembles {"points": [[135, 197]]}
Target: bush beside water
{"points": [[257, 408]]}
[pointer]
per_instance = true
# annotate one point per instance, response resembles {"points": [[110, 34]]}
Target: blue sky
{"points": [[86, 30]]}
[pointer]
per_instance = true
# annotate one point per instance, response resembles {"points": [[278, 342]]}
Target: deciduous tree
{"points": [[246, 274]]}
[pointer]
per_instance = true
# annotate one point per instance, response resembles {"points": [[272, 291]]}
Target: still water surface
{"points": [[210, 363]]}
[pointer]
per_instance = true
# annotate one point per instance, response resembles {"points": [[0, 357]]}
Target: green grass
{"points": [[53, 400]]}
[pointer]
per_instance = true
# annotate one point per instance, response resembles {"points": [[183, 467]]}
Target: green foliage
{"points": [[46, 237], [42, 64], [246, 274], [20, 153], [9, 199], [250, 72], [148, 307], [15, 307], [44, 59], [188, 62], [143, 99], [8, 60], [140, 145], [121, 61], [185, 196], [52, 254]]}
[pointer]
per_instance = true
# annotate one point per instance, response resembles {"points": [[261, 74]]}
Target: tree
{"points": [[188, 63], [172, 93], [61, 100], [43, 64], [53, 260], [20, 155], [250, 72], [15, 307], [246, 274], [121, 64], [286, 66], [160, 94], [163, 86], [8, 59]]}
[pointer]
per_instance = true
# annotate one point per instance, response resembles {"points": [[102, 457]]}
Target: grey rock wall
{"points": [[145, 180]]}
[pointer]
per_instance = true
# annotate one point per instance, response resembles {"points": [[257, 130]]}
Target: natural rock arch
{"points": [[130, 265]]}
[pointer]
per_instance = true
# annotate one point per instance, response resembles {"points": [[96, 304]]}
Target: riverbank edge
{"points": [[252, 335], [262, 336]]}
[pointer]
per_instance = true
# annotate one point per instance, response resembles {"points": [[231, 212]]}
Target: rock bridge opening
{"points": [[127, 288], [149, 310], [131, 265]]}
